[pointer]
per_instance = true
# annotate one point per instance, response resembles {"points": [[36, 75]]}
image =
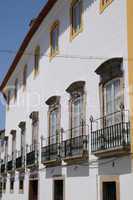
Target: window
{"points": [[35, 125], [58, 190], [21, 185], [25, 76], [76, 17], [4, 185], [13, 132], [8, 98], [11, 184], [16, 89], [54, 118], [53, 126], [113, 98], [6, 148], [36, 60], [111, 90], [104, 4], [76, 107], [109, 190], [76, 113], [54, 39]]}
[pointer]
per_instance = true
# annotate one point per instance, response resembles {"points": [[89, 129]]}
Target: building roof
{"points": [[44, 12]]}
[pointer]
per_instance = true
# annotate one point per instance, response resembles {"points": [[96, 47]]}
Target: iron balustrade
{"points": [[76, 145], [20, 159], [109, 133], [50, 148], [11, 162], [32, 155]]}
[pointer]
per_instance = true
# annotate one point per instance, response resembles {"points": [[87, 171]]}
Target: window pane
{"points": [[76, 15], [54, 39], [53, 126], [113, 100], [77, 113]]}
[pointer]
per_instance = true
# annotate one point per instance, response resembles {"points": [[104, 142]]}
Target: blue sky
{"points": [[14, 21]]}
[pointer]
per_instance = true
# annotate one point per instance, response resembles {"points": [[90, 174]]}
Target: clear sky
{"points": [[14, 23]]}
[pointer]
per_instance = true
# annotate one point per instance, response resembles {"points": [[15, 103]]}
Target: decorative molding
{"points": [[110, 69]]}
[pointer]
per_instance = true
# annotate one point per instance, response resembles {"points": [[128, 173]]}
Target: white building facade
{"points": [[68, 115]]}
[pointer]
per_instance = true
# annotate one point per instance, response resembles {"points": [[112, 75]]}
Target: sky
{"points": [[15, 17]]}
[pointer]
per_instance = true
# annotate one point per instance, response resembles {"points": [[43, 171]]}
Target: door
{"points": [[33, 190], [58, 190], [109, 191]]}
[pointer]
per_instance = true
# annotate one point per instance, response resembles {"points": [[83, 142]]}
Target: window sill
{"points": [[35, 73], [52, 55], [75, 34], [21, 191]]}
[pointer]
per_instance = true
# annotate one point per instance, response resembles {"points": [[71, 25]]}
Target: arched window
{"points": [[77, 107], [54, 39], [36, 59], [53, 118], [25, 76], [111, 89]]}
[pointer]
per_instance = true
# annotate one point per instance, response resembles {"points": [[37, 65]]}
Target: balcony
{"points": [[51, 151], [113, 136], [32, 156], [75, 148], [20, 160]]}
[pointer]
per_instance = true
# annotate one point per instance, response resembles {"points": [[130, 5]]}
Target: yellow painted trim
{"points": [[106, 4], [72, 33], [56, 24], [110, 179], [130, 63]]}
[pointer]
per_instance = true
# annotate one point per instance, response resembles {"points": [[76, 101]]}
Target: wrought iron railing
{"points": [[32, 155], [20, 159], [110, 133], [10, 163], [51, 148], [76, 142]]}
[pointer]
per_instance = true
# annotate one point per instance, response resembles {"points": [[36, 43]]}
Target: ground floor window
{"points": [[4, 186], [58, 190], [21, 185], [33, 189], [109, 191], [11, 185]]}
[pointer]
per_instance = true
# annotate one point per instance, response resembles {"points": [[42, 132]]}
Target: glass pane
{"points": [[54, 39], [113, 100], [77, 115], [77, 16], [53, 126]]}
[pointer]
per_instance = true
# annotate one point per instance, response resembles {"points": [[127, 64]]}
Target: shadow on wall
{"points": [[115, 166], [54, 172], [78, 170]]}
